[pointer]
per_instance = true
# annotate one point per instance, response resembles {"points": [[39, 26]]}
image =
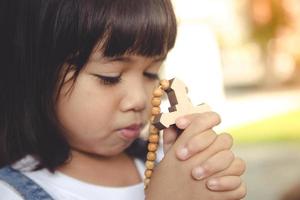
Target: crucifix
{"points": [[180, 105]]}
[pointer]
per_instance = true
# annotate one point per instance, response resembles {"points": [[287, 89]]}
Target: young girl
{"points": [[77, 79]]}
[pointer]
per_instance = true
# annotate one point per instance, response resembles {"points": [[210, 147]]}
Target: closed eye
{"points": [[108, 80], [151, 76]]}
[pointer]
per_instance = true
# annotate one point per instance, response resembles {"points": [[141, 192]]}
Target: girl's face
{"points": [[109, 103]]}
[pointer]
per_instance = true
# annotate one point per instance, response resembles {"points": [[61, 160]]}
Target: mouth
{"points": [[131, 132]]}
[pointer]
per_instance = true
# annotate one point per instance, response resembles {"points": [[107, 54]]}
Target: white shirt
{"points": [[63, 187]]}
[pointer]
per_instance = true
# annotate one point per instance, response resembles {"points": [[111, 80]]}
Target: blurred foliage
{"points": [[265, 18]]}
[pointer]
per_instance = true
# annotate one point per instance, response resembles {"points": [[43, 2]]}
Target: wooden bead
{"points": [[148, 173], [156, 101], [151, 156], [164, 84], [146, 182], [158, 92], [152, 147], [155, 110], [150, 164], [154, 138], [153, 130], [152, 119]]}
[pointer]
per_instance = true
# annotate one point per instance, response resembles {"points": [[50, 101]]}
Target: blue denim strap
{"points": [[27, 188]]}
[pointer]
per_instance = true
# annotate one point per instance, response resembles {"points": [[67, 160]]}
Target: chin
{"points": [[114, 151]]}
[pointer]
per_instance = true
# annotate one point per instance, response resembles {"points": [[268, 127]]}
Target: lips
{"points": [[131, 132]]}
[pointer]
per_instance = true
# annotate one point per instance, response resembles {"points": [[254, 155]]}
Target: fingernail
{"points": [[182, 123], [198, 173], [212, 184], [183, 153]]}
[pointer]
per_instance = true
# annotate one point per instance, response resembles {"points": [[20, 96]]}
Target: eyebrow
{"points": [[160, 59]]}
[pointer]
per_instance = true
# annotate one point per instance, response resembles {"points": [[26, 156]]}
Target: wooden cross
{"points": [[180, 105]]}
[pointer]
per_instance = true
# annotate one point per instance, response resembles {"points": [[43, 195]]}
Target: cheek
{"points": [[85, 110]]}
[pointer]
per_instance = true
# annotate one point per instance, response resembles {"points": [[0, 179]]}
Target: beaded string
{"points": [[154, 132]]}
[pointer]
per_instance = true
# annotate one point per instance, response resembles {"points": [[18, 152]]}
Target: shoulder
{"points": [[7, 192]]}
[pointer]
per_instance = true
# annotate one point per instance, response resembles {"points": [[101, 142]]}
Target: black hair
{"points": [[38, 39]]}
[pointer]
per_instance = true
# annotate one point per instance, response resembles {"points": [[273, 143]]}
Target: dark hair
{"points": [[40, 37]]}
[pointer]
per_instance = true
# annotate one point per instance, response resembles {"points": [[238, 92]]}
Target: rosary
{"points": [[180, 105]]}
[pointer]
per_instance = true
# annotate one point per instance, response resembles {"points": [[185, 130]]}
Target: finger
{"points": [[196, 144], [221, 143], [236, 194], [224, 183], [237, 168], [169, 137], [198, 124], [218, 162]]}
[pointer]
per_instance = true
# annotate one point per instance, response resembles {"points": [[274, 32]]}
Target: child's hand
{"points": [[197, 137], [198, 146]]}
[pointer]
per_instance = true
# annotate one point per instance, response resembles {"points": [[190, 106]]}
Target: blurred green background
{"points": [[279, 128]]}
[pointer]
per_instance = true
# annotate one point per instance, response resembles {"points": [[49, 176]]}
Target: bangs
{"points": [[141, 27]]}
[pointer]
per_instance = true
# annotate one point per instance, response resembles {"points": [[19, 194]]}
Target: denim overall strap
{"points": [[27, 188]]}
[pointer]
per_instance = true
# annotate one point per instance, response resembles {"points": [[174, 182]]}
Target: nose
{"points": [[135, 97]]}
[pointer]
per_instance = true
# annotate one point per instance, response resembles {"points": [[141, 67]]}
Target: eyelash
{"points": [[109, 80], [113, 80], [151, 76]]}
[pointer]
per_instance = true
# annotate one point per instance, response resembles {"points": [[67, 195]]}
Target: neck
{"points": [[118, 170]]}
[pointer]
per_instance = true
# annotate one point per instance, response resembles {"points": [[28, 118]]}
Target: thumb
{"points": [[170, 135]]}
